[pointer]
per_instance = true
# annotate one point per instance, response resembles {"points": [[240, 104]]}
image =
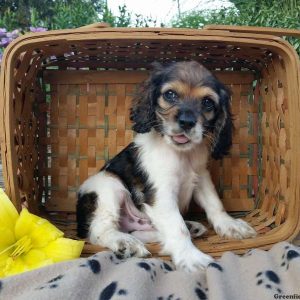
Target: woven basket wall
{"points": [[64, 100]]}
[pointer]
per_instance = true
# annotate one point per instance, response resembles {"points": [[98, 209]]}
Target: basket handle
{"points": [[96, 25], [253, 29]]}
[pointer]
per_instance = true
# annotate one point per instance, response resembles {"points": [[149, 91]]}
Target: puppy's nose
{"points": [[187, 120]]}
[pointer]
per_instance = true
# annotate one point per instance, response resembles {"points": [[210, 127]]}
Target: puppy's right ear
{"points": [[142, 112], [224, 126]]}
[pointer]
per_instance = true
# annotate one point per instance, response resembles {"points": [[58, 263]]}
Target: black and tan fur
{"points": [[181, 115]]}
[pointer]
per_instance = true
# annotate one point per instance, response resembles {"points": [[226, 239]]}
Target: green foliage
{"points": [[107, 15], [141, 21], [20, 11], [124, 17], [9, 20], [72, 15], [254, 13], [269, 13], [52, 14]]}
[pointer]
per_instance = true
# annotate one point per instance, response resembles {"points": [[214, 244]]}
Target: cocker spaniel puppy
{"points": [[181, 116]]}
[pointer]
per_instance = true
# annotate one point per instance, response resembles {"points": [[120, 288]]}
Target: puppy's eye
{"points": [[170, 96], [208, 104]]}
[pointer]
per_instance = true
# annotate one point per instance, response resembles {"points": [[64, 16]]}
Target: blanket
{"points": [[258, 274]]}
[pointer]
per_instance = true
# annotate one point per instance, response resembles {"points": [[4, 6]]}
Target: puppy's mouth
{"points": [[180, 139]]}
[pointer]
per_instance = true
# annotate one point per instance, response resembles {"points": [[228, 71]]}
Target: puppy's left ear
{"points": [[142, 112], [223, 127]]}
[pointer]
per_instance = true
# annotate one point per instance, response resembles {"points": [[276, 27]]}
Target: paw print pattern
{"points": [[169, 297], [52, 283], [93, 264], [110, 290], [248, 253], [216, 266], [269, 280], [115, 259], [289, 255], [200, 292], [149, 268], [201, 286], [166, 268]]}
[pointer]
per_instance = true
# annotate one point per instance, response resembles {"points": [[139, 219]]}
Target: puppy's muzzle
{"points": [[186, 119]]}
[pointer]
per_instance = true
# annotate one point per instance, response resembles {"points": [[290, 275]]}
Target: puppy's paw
{"points": [[196, 229], [192, 260], [125, 245], [226, 226]]}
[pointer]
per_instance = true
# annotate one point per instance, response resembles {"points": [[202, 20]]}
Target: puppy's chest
{"points": [[174, 172], [179, 175], [186, 184]]}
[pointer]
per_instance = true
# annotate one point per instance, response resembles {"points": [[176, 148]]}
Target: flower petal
{"points": [[32, 260], [3, 260], [26, 223], [14, 266], [38, 229], [43, 234], [35, 257], [7, 238], [8, 213], [63, 249]]}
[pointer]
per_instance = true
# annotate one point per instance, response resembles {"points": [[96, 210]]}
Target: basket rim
{"points": [[150, 33]]}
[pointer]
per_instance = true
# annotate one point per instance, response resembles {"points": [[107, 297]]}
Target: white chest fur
{"points": [[171, 170]]}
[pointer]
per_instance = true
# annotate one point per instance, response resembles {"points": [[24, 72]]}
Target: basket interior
{"points": [[71, 102]]}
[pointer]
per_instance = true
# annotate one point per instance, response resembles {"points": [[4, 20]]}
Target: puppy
{"points": [[181, 116]]}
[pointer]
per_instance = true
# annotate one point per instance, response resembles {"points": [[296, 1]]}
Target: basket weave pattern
{"points": [[65, 100]]}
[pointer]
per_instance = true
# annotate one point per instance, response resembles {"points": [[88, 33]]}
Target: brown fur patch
{"points": [[108, 173], [201, 92], [209, 139], [181, 88], [163, 104], [168, 112], [209, 115]]}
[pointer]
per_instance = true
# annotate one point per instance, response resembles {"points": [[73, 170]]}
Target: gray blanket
{"points": [[256, 275]]}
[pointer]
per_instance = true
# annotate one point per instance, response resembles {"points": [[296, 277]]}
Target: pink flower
{"points": [[2, 32], [5, 41], [37, 29], [13, 34]]}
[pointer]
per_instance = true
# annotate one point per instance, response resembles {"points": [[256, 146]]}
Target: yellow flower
{"points": [[28, 242]]}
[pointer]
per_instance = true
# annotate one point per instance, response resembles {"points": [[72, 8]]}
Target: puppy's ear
{"points": [[142, 112], [224, 126]]}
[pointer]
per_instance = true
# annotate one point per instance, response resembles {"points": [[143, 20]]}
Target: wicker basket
{"points": [[64, 102]]}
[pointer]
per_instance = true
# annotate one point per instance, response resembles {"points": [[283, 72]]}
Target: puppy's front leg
{"points": [[226, 226], [173, 233]]}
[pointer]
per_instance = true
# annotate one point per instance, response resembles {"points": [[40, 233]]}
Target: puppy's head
{"points": [[186, 104]]}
